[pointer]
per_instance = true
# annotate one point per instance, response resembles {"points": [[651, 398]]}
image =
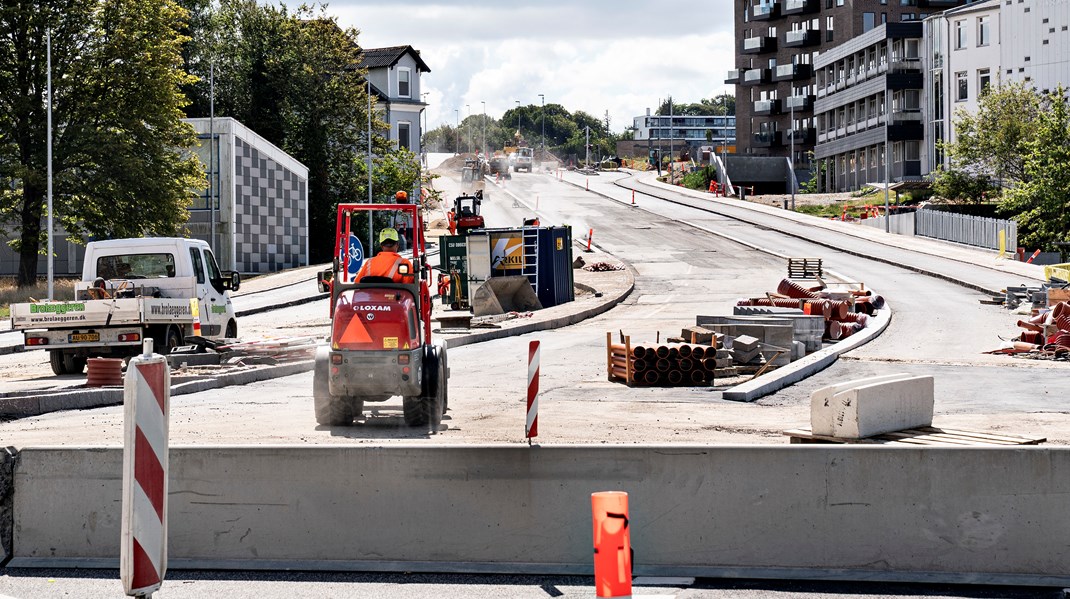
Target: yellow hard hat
{"points": [[388, 234], [401, 195]]}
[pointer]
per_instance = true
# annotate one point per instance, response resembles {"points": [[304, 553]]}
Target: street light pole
{"points": [[484, 128], [724, 148], [457, 133], [887, 156], [518, 117], [48, 152], [542, 116], [587, 148], [791, 158], [671, 155], [468, 129]]}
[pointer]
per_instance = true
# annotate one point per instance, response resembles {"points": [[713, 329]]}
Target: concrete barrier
{"points": [[883, 407], [926, 514], [822, 411]]}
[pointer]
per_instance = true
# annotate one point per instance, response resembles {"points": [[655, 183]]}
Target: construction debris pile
{"points": [[1046, 329], [845, 312], [761, 334], [603, 266], [205, 352]]}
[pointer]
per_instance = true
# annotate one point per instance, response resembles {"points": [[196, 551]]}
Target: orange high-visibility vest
{"points": [[386, 264]]}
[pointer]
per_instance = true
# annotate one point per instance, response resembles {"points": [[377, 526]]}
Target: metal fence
{"points": [[961, 228]]}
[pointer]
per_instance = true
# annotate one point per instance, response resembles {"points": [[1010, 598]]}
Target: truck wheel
{"points": [[166, 339], [232, 330], [331, 410], [57, 361], [74, 364], [426, 410], [444, 378]]}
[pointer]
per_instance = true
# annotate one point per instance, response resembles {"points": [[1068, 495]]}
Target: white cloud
{"points": [[592, 56]]}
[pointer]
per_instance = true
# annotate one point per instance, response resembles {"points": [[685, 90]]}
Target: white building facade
{"points": [[989, 43]]}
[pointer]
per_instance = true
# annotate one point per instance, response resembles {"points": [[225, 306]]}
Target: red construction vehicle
{"points": [[464, 216], [380, 342]]}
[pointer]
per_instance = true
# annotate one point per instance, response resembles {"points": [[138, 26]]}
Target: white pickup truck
{"points": [[132, 289]]}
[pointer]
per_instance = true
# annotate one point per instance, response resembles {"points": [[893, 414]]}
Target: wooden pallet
{"points": [[804, 268], [927, 435]]}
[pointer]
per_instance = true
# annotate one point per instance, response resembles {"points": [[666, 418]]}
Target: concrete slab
{"points": [[822, 412]]}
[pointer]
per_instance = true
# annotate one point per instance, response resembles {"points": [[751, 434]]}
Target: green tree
{"points": [[991, 141], [118, 165], [957, 185], [1041, 202]]}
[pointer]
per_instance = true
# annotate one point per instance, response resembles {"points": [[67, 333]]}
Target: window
{"points": [[960, 35], [984, 30], [403, 136], [984, 79], [839, 2], [913, 150], [403, 83], [884, 18], [908, 16], [961, 89], [198, 264], [869, 21], [828, 28]]}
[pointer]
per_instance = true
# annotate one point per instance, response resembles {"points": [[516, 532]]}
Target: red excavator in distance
{"points": [[465, 216], [380, 343]]}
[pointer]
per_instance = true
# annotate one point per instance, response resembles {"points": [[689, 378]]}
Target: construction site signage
{"points": [[506, 252]]}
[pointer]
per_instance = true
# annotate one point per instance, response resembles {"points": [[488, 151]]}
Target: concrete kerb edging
{"points": [[289, 304], [809, 365], [919, 270], [79, 399]]}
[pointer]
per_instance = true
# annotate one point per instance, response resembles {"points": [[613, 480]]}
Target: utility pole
{"points": [[468, 129], [484, 129], [724, 148], [457, 133], [51, 259]]}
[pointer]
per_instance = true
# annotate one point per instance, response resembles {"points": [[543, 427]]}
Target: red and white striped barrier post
{"points": [[146, 404], [1033, 257], [531, 427], [590, 236]]}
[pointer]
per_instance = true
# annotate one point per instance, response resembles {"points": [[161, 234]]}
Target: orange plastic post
{"points": [[590, 234], [633, 197], [612, 544]]}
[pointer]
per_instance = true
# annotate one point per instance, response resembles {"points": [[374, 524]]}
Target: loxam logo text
{"points": [[374, 308]]}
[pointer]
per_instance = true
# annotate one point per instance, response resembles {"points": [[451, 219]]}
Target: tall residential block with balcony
{"points": [[778, 43], [869, 100]]}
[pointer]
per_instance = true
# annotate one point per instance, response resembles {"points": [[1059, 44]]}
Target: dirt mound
{"points": [[456, 163]]}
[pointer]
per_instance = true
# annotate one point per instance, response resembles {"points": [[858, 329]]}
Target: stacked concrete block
{"points": [[872, 406], [745, 349]]}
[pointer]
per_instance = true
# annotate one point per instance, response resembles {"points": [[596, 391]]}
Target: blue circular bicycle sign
{"points": [[356, 255]]}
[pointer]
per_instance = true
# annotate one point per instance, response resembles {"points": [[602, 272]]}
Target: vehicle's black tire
{"points": [[444, 378], [74, 364], [331, 410], [57, 361], [165, 339], [231, 331], [426, 410], [415, 410], [356, 407]]}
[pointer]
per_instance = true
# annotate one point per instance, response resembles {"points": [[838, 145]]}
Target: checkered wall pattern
{"points": [[271, 212]]}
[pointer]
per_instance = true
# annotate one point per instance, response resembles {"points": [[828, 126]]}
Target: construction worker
{"points": [[388, 263]]}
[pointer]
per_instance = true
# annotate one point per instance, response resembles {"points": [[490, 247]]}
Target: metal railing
{"points": [[962, 228]]}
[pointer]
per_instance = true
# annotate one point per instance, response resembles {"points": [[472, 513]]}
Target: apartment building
{"points": [[665, 132], [869, 98], [778, 43]]}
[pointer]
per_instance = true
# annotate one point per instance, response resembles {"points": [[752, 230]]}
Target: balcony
{"points": [[756, 77], [799, 103], [800, 7], [906, 65], [793, 72], [802, 136], [766, 107], [799, 38], [734, 76], [905, 116], [937, 3], [759, 45], [766, 12], [768, 139]]}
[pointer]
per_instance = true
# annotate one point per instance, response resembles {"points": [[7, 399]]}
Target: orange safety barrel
{"points": [[375, 319], [612, 544]]}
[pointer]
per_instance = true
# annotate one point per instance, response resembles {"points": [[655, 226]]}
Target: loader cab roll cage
{"points": [[350, 221]]}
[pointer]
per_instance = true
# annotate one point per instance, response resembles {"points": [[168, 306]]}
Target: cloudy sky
{"points": [[591, 55]]}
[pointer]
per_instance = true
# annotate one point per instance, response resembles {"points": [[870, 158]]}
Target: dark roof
{"points": [[376, 58]]}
